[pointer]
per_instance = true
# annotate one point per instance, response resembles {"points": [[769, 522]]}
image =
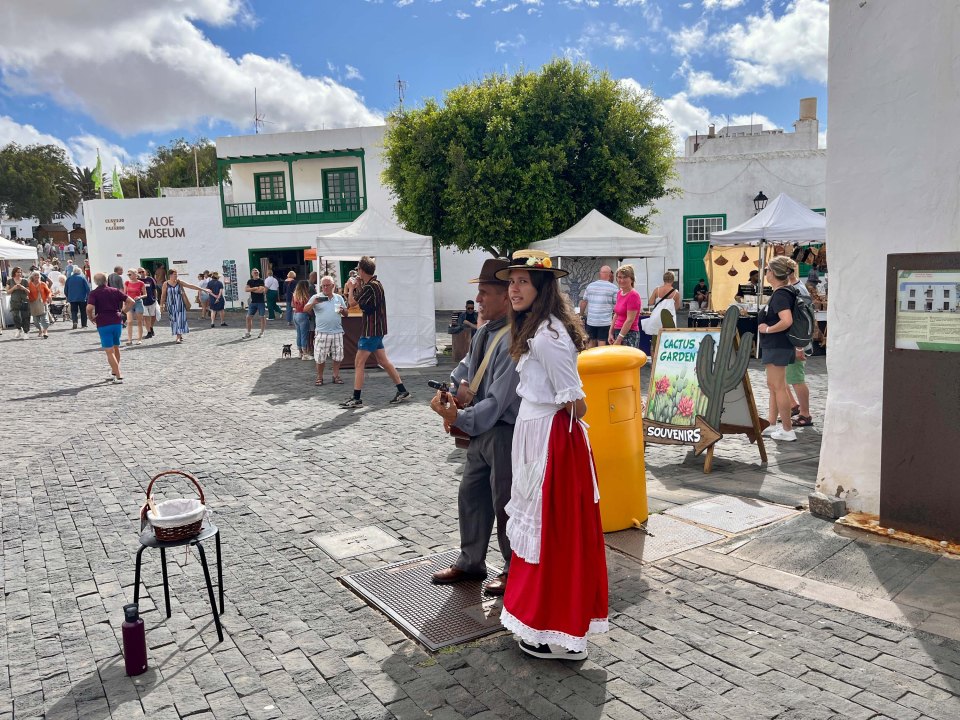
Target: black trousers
{"points": [[79, 308]]}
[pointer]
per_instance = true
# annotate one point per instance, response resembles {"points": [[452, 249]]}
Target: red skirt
{"points": [[563, 598]]}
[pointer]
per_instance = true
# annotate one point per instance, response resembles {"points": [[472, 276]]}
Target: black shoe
{"points": [[351, 403], [223, 324], [399, 397], [552, 652]]}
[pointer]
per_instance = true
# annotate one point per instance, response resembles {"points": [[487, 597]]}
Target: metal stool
{"points": [[149, 540]]}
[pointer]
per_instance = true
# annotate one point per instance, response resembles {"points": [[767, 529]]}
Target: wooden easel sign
{"points": [[699, 389]]}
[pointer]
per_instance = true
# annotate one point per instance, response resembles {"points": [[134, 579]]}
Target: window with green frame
{"points": [[696, 242], [271, 190]]}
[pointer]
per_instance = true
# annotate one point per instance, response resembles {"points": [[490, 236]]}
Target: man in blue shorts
{"points": [[106, 306], [258, 302], [372, 301]]}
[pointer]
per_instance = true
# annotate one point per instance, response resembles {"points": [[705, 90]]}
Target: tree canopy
{"points": [[510, 160], [172, 165], [35, 181]]}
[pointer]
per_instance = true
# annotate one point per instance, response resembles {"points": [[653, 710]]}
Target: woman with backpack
{"points": [[777, 351]]}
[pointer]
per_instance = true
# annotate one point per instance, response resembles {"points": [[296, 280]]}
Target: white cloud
{"points": [[81, 149], [685, 118], [353, 73], [403, 3], [601, 34], [509, 8], [722, 4], [137, 67], [461, 15], [502, 46], [690, 40], [768, 51]]}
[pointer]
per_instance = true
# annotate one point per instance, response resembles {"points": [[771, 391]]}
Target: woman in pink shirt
{"points": [[626, 313], [135, 290]]}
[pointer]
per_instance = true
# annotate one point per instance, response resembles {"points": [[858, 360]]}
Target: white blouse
{"points": [[548, 381]]}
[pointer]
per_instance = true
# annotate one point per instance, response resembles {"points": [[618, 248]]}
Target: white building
{"points": [[927, 297], [721, 173], [894, 189], [276, 194]]}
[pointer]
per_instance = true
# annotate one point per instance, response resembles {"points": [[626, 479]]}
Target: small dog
{"points": [[287, 351]]}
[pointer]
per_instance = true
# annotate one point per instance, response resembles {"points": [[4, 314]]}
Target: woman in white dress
{"points": [[557, 587]]}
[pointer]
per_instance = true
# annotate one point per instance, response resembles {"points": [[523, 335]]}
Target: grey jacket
{"points": [[496, 399]]}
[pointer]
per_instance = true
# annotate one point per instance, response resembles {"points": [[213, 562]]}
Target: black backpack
{"points": [[804, 320]]}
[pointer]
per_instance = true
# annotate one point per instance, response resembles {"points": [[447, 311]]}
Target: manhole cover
{"points": [[436, 615], [355, 542], [730, 514], [665, 537]]}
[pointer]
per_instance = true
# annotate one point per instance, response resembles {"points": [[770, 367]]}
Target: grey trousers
{"points": [[484, 493]]}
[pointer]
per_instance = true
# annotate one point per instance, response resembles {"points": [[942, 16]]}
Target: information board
{"points": [[230, 290], [928, 310]]}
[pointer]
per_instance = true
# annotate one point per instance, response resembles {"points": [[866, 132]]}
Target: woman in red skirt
{"points": [[557, 587]]}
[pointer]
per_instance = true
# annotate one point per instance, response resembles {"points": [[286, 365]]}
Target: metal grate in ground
{"points": [[730, 514], [664, 537], [436, 615]]}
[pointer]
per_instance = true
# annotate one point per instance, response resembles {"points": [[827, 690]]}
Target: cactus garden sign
{"points": [[699, 389]]}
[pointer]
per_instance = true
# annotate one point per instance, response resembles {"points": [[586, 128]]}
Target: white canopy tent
{"points": [[405, 267], [596, 235], [10, 250], [783, 221]]}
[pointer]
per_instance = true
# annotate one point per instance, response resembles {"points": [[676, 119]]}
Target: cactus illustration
{"points": [[717, 377]]}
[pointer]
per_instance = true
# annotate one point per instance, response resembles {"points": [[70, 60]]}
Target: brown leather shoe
{"points": [[496, 587], [454, 575]]}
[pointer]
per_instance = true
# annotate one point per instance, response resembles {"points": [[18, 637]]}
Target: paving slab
{"points": [[877, 570], [796, 545], [936, 589], [663, 536], [730, 514]]}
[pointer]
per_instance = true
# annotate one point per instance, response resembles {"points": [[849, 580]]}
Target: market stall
{"points": [[10, 253], [405, 267]]}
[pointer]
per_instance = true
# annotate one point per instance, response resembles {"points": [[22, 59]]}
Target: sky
{"points": [[127, 75]]}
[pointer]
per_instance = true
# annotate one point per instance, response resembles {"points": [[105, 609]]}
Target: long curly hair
{"points": [[549, 301]]}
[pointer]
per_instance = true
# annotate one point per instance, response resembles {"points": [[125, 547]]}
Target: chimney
{"points": [[712, 131], [808, 108]]}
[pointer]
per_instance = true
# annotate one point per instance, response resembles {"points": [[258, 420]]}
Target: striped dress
{"points": [[176, 310]]}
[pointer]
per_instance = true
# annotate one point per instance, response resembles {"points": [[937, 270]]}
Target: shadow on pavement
{"points": [[66, 392]]}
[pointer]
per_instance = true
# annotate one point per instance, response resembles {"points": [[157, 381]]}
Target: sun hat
{"points": [[532, 260], [488, 273]]}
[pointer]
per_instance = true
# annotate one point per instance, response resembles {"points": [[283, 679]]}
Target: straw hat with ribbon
{"points": [[532, 260]]}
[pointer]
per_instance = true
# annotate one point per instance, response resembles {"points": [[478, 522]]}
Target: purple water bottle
{"points": [[134, 640]]}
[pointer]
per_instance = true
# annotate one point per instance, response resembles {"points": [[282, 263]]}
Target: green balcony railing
{"points": [[274, 212]]}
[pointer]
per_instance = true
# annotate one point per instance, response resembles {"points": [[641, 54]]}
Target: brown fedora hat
{"points": [[488, 273]]}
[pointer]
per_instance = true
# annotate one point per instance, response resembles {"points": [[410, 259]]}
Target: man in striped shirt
{"points": [[372, 301]]}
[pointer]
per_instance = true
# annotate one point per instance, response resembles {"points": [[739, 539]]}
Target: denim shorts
{"points": [[110, 335], [370, 344], [257, 309], [137, 308]]}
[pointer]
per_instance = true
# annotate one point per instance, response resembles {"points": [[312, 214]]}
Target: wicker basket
{"points": [[164, 531]]}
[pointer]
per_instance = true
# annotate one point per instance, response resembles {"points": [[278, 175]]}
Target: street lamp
{"points": [[760, 201]]}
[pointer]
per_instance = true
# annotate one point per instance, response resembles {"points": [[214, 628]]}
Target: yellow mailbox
{"points": [[611, 380]]}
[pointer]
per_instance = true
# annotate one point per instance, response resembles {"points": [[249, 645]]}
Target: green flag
{"points": [[98, 174], [117, 187]]}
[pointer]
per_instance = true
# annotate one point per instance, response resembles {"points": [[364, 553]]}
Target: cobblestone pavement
{"points": [[280, 462]]}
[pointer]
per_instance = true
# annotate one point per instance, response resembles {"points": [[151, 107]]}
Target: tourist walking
{"points": [[151, 308], [19, 302], [272, 285], [597, 305], [115, 279], [134, 289], [39, 295], [174, 301], [258, 302], [776, 350], [373, 302], [665, 297], [203, 297], [328, 309], [105, 307], [557, 587], [77, 290], [217, 302], [626, 310], [86, 271], [289, 286], [301, 318]]}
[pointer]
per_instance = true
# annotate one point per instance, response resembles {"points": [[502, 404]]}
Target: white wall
{"points": [[892, 187], [728, 184]]}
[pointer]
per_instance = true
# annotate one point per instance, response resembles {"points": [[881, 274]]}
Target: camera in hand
{"points": [[322, 298], [441, 386]]}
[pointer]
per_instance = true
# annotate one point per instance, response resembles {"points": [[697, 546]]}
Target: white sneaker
{"points": [[770, 430], [784, 435], [19, 334]]}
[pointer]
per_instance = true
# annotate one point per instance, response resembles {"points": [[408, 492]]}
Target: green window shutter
{"points": [[271, 191]]}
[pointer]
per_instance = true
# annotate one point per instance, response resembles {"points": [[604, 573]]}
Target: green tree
{"points": [[35, 181], [510, 160], [172, 165]]}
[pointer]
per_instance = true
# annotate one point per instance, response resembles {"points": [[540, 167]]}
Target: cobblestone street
{"points": [[280, 463]]}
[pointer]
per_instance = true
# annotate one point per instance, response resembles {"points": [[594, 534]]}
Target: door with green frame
{"points": [[696, 242], [151, 265], [341, 188]]}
